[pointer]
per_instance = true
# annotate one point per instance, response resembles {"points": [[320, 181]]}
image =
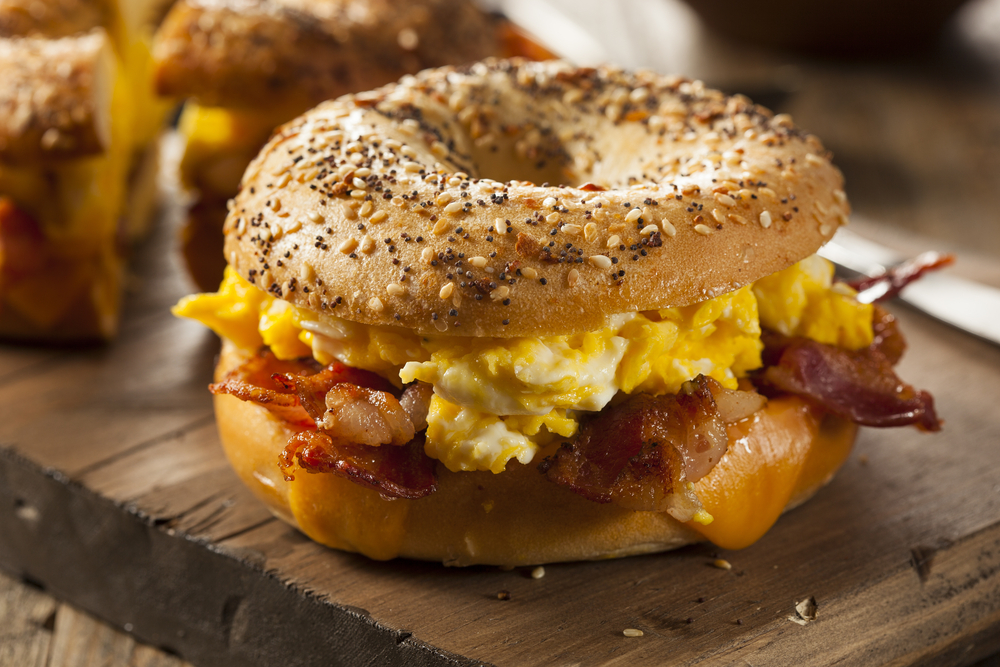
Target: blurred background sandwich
{"points": [[79, 120]]}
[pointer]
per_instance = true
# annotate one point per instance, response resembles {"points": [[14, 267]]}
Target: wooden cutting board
{"points": [[115, 496]]}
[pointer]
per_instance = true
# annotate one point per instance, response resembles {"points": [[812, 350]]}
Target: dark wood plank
{"points": [[26, 618]]}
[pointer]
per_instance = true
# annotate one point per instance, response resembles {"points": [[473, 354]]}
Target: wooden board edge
{"points": [[210, 606]]}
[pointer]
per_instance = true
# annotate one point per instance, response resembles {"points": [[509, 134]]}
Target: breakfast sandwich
{"points": [[78, 159], [513, 313]]}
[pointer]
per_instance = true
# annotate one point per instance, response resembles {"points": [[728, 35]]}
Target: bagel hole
{"points": [[534, 155]]}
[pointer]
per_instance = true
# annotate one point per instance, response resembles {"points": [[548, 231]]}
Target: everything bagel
{"points": [[517, 312], [461, 201]]}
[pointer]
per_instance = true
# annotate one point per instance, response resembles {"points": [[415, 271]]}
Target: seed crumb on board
{"points": [[805, 611]]}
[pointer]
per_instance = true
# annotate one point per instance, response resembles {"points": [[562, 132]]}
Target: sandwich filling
{"points": [[497, 399]]}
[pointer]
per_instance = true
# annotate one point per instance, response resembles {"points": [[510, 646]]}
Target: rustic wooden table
{"points": [[115, 497]]}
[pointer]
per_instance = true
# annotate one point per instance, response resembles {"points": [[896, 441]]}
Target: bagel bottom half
{"points": [[776, 460]]}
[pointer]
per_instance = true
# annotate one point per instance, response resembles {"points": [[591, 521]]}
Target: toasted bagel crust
{"points": [[297, 53], [518, 517], [399, 207]]}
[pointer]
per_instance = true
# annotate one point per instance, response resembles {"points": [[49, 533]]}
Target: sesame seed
{"points": [[613, 241], [538, 572], [704, 230], [427, 254], [368, 245], [283, 181], [552, 218], [348, 245], [649, 229], [572, 277], [375, 304], [358, 194], [453, 208], [315, 216], [725, 200], [293, 226], [359, 184], [379, 217], [633, 215], [441, 227], [771, 193], [572, 96], [600, 261], [444, 199], [412, 167], [572, 230], [814, 159], [737, 218], [478, 262], [549, 202], [366, 209], [395, 289], [364, 172], [717, 214], [446, 290], [276, 204], [241, 226], [500, 293], [765, 219], [589, 231], [306, 272], [668, 228], [529, 273], [632, 632], [722, 564]]}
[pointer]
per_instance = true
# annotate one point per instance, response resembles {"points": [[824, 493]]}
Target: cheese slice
{"points": [[769, 467]]}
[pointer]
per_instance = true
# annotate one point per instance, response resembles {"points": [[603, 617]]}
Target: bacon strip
{"points": [[859, 386], [395, 472], [636, 453], [416, 400], [23, 249], [890, 283], [262, 379]]}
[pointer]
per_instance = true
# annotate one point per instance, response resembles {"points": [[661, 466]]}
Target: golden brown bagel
{"points": [[296, 53], [55, 97], [418, 205], [787, 451]]}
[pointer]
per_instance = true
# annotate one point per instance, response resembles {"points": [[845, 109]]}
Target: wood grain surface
{"points": [[115, 495]]}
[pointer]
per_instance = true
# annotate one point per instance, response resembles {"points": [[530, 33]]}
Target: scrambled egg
{"points": [[497, 399]]}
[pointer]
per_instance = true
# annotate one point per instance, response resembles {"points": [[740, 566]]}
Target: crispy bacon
{"points": [[395, 472], [636, 454], [23, 250], [311, 389], [353, 405], [342, 412], [857, 385], [890, 283], [365, 416], [262, 379], [416, 401]]}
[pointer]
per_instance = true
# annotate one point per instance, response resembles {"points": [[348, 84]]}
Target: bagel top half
{"points": [[514, 198]]}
